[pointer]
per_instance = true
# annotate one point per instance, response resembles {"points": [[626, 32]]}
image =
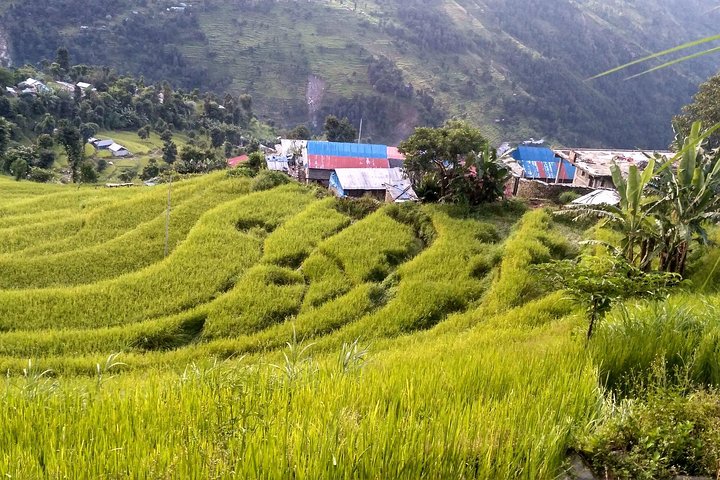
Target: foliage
{"points": [[19, 168], [41, 175], [151, 170], [681, 334], [337, 130], [455, 160], [268, 179], [568, 197], [704, 109], [88, 174], [169, 152], [665, 433], [301, 132], [601, 282], [256, 162], [664, 208], [70, 138], [690, 199], [196, 160]]}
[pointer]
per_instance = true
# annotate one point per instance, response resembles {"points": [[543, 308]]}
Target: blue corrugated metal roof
{"points": [[347, 150], [534, 154], [541, 163]]}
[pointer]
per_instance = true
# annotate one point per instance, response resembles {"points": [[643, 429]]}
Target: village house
{"points": [[103, 144], [236, 161], [315, 161], [324, 157], [349, 169], [32, 86], [118, 150], [593, 166], [540, 163], [384, 184]]}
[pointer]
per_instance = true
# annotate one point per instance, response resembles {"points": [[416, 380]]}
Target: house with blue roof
{"points": [[541, 163]]}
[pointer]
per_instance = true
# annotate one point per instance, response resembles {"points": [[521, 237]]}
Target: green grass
{"points": [[287, 335]]}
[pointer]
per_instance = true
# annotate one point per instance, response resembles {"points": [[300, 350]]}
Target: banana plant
{"points": [[689, 199], [633, 217]]}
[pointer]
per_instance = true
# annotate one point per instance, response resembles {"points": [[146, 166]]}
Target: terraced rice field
{"points": [[285, 335]]}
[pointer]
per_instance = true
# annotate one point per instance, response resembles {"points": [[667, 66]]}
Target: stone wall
{"points": [[532, 189]]}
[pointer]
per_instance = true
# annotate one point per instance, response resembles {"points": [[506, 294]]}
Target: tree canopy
{"points": [[338, 130], [453, 163]]}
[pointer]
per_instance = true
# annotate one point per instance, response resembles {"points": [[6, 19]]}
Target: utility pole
{"points": [[360, 135], [167, 216]]}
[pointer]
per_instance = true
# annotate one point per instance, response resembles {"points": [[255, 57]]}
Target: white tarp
{"points": [[599, 197]]}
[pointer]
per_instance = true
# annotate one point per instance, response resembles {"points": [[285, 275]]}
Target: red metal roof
{"points": [[331, 162], [394, 154], [234, 162]]}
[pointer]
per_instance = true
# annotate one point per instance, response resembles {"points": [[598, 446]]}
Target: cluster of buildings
{"points": [[348, 169], [35, 87], [30, 86], [541, 172], [538, 172], [109, 144]]}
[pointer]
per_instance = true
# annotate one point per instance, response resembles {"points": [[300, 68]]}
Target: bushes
{"points": [[663, 434], [568, 197], [268, 179]]}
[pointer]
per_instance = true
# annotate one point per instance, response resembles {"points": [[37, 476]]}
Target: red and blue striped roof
{"points": [[332, 155], [541, 163]]}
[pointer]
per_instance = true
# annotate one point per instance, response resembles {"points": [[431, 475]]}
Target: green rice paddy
{"points": [[288, 335]]}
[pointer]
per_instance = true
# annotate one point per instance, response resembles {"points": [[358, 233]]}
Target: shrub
{"points": [[568, 197], [41, 175], [661, 435], [268, 179], [682, 333]]}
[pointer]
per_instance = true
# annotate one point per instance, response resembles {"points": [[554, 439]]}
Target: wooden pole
{"points": [[167, 216]]}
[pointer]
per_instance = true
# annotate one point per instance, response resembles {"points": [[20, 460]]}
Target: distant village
{"points": [[357, 170], [538, 172], [33, 87]]}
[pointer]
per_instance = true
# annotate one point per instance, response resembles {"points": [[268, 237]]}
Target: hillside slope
{"points": [[394, 289], [518, 68]]}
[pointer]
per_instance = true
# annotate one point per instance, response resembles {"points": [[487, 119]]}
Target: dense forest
{"points": [[58, 118], [517, 68]]}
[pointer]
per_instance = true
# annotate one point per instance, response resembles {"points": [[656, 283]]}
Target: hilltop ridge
{"points": [[516, 68]]}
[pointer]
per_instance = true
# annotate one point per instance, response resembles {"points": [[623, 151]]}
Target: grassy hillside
{"points": [[287, 333], [516, 68]]}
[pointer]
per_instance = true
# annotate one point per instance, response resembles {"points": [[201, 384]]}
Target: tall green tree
{"points": [[704, 108], [5, 135], [70, 138], [301, 132], [441, 162], [170, 152], [337, 130], [19, 168], [88, 130], [62, 58]]}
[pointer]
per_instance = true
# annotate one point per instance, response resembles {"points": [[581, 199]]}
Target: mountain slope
{"points": [[518, 68]]}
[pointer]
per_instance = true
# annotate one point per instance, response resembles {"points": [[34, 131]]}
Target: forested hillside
{"points": [[518, 68]]}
